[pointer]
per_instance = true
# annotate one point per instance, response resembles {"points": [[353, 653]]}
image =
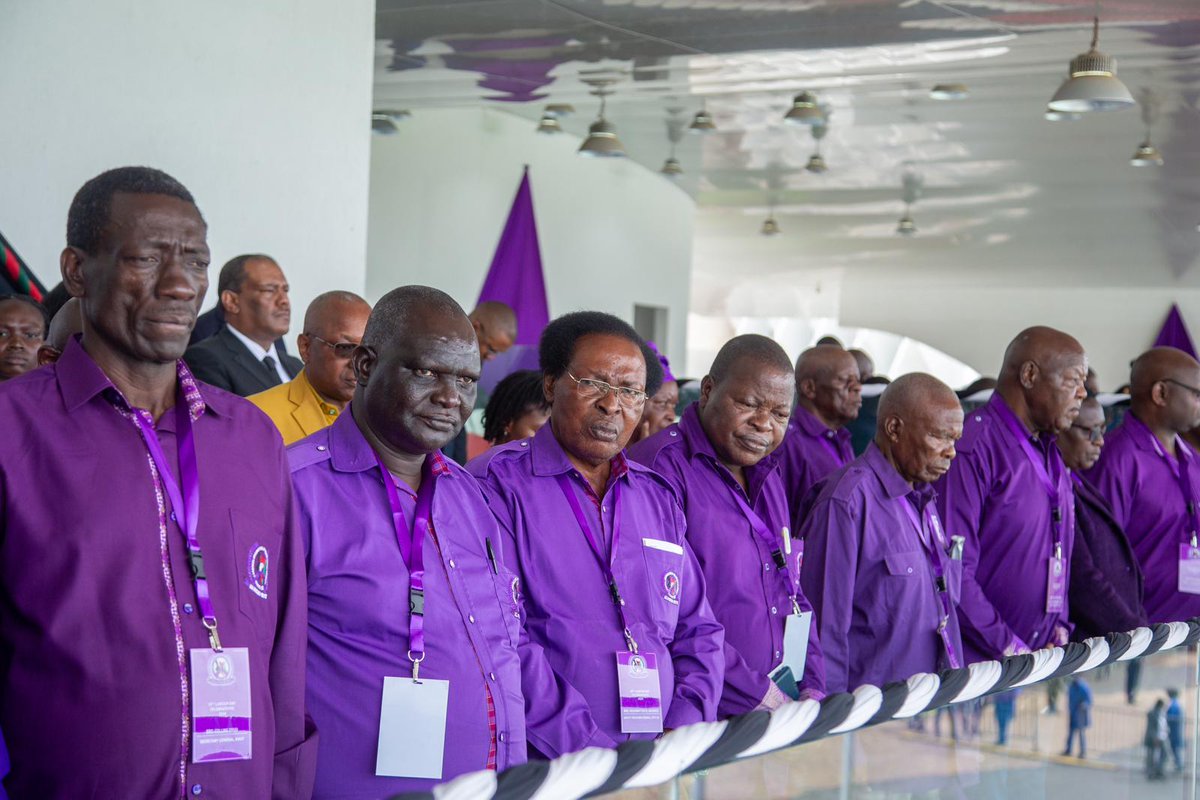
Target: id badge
{"points": [[796, 630], [412, 728], [641, 695], [220, 705], [1056, 585], [1189, 569]]}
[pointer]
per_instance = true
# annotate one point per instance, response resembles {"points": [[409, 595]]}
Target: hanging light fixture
{"points": [[383, 121], [816, 164], [770, 227], [602, 141], [549, 124], [906, 226], [1092, 84], [1147, 155], [804, 110], [912, 184], [702, 123], [950, 91], [1061, 116], [559, 110], [671, 167]]}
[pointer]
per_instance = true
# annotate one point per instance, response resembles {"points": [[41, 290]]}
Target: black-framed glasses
{"points": [[340, 349], [1095, 433], [592, 389], [1195, 392]]}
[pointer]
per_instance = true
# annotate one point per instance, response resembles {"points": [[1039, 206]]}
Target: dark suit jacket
{"points": [[212, 322], [224, 361], [1106, 583]]}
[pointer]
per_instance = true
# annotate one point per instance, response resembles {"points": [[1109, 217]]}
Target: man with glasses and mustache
{"points": [[311, 401], [828, 397], [720, 459], [612, 590], [1008, 495], [1151, 480], [881, 571], [1106, 583]]}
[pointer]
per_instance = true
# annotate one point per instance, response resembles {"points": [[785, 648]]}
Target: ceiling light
{"points": [[672, 168], [394, 114], [770, 227], [950, 91], [1093, 84], [559, 110], [549, 124], [602, 141], [1147, 155], [1062, 116], [816, 164], [804, 110], [383, 125], [906, 226], [702, 123]]}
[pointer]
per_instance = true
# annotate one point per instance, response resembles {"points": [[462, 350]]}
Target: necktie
{"points": [[272, 373]]}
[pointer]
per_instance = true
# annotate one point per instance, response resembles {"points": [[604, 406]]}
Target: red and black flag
{"points": [[15, 275]]}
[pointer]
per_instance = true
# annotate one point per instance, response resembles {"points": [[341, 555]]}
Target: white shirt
{"points": [[259, 353]]}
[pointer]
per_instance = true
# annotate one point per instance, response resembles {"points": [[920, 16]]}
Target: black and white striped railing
{"points": [[705, 745]]}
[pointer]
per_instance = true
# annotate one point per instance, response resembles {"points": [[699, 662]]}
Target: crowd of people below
{"points": [[315, 593]]}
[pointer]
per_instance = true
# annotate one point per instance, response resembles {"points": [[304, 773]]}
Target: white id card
{"points": [[412, 728], [221, 705], [1189, 569], [795, 642]]}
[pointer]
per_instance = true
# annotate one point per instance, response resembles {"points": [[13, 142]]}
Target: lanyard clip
{"points": [[196, 562], [416, 662], [780, 562], [630, 642], [1194, 542], [941, 628], [1056, 515], [787, 541], [616, 596], [956, 547], [1058, 551], [796, 607], [416, 601], [213, 638]]}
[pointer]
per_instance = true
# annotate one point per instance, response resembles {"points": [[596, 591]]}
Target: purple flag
{"points": [[1175, 334], [515, 278]]}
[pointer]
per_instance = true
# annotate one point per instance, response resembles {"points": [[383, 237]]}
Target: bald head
{"points": [[417, 371], [1042, 378], [333, 327], [495, 326], [66, 323], [866, 365], [920, 419], [746, 399], [828, 385], [327, 309], [749, 349], [1165, 385]]}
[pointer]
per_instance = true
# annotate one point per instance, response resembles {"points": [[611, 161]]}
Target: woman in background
{"points": [[516, 409]]}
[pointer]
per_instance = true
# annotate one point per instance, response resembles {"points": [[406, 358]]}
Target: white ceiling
{"points": [[1007, 195]]}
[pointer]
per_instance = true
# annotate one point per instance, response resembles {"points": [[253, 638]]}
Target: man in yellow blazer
{"points": [[333, 327]]}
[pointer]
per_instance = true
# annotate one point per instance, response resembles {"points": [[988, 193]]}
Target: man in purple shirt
{"points": [[1151, 480], [828, 397], [881, 572], [1008, 494], [612, 589], [719, 459], [152, 614], [1106, 583], [417, 370]]}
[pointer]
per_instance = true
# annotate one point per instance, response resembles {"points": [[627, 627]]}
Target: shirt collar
{"points": [[301, 390], [807, 422], [80, 379], [999, 406], [550, 459], [890, 479], [254, 347], [349, 450]]}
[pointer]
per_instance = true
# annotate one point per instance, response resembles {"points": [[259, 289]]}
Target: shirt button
{"points": [[452, 563], [910, 570], [321, 448], [501, 737], [778, 654], [774, 610], [197, 788], [187, 608], [471, 618], [674, 433], [492, 675], [524, 444], [766, 567], [604, 509]]}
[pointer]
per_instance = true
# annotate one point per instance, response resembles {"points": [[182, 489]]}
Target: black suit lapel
{"points": [[247, 373]]}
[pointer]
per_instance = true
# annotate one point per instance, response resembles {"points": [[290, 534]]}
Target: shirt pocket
{"points": [[664, 581], [256, 569], [508, 595], [954, 568]]}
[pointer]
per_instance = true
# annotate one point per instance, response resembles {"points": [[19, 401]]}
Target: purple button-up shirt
{"points": [[871, 576], [1138, 479], [808, 453], [570, 611], [992, 496], [750, 595], [358, 621], [98, 608]]}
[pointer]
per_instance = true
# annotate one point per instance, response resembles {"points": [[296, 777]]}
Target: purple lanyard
{"points": [[411, 540], [185, 501], [940, 587], [1179, 468], [605, 561], [1049, 483], [780, 548]]}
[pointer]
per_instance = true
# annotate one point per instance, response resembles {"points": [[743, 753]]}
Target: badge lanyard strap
{"points": [[411, 540], [1179, 468], [185, 502], [764, 533], [605, 561], [940, 586], [1049, 483]]}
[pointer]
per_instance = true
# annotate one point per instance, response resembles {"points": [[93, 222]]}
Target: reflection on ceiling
{"points": [[1053, 200]]}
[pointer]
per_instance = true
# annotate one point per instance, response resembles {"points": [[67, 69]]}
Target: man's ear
{"points": [[364, 360], [231, 302], [548, 384], [1029, 374], [892, 427], [706, 388], [1158, 394], [70, 264]]}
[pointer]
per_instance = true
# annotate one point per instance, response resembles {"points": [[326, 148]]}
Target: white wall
{"points": [[612, 233], [260, 108]]}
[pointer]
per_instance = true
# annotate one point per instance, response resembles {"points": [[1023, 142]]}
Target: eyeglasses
{"points": [[1195, 392], [1095, 435], [592, 389], [340, 349]]}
